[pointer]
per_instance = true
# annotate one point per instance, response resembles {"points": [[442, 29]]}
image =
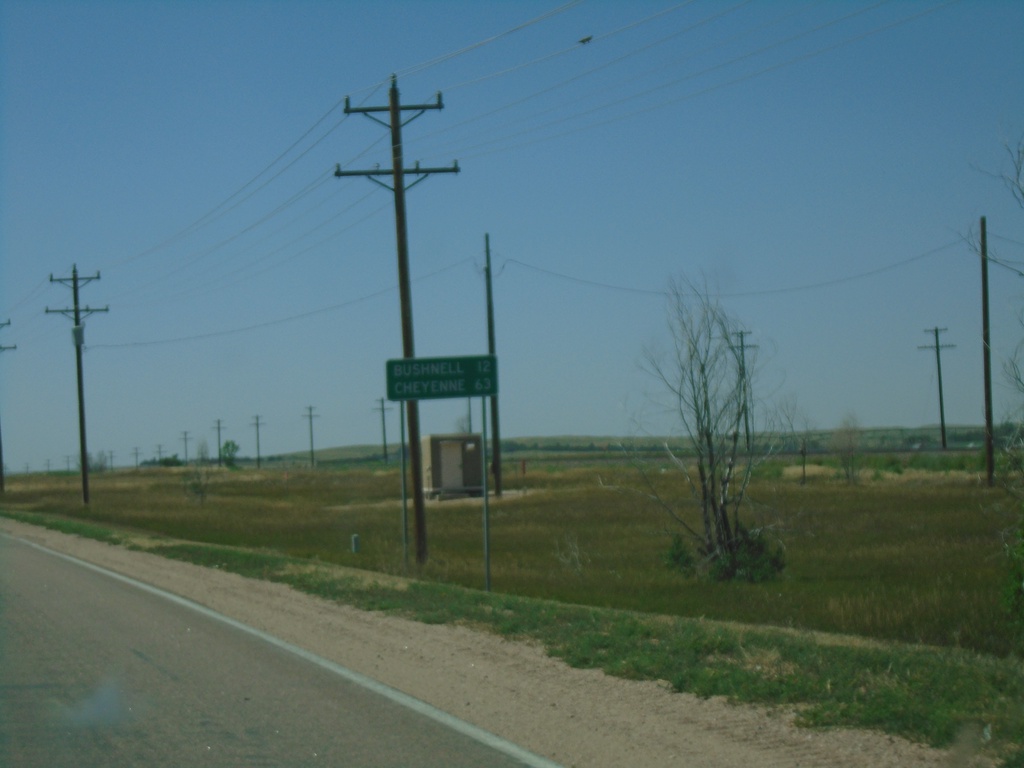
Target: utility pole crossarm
{"points": [[2, 347], [82, 312], [416, 170], [419, 109], [75, 277]]}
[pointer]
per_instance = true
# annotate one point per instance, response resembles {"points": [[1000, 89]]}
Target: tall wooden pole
{"points": [[256, 423], [496, 444], [77, 313], [412, 407], [397, 174], [312, 456], [990, 461], [384, 428], [2, 487], [938, 367]]}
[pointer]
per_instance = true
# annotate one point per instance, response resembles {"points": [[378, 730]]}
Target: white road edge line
{"points": [[421, 707]]}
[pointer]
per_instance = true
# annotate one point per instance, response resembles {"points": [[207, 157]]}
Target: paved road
{"points": [[101, 671]]}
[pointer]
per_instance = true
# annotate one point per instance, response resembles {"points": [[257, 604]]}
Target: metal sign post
{"points": [[405, 499], [487, 515], [435, 378]]}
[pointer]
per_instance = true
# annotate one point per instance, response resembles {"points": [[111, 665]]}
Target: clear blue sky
{"points": [[822, 164]]}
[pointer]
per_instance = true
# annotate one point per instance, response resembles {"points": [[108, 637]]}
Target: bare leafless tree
{"points": [[1014, 178], [710, 382], [1013, 369], [845, 443]]}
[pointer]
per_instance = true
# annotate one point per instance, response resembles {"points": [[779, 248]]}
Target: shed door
{"points": [[451, 464]]}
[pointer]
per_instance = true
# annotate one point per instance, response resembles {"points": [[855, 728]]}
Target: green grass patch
{"points": [[72, 527]]}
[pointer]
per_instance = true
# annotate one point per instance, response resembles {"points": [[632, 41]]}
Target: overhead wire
{"points": [[248, 272], [586, 73], [486, 41], [575, 46], [223, 208], [234, 200], [745, 294], [196, 256], [220, 209], [277, 321], [237, 198], [603, 106], [714, 87]]}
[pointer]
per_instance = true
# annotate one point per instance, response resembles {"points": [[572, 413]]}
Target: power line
{"points": [[461, 51], [767, 292], [278, 321], [245, 269], [234, 200], [574, 47], [469, 151], [209, 217], [586, 73], [225, 205]]}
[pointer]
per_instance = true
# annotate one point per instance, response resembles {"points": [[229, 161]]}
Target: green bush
{"points": [[679, 557], [753, 559]]}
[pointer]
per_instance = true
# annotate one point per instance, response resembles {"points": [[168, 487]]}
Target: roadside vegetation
{"points": [[891, 613]]}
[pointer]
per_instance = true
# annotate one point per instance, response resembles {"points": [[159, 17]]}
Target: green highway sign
{"points": [[434, 378]]}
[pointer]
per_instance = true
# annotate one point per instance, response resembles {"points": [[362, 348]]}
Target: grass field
{"points": [[914, 556], [912, 553]]}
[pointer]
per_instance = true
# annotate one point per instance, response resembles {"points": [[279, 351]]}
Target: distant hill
{"points": [[874, 439]]}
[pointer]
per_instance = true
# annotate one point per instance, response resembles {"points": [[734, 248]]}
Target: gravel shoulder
{"points": [[514, 690]]}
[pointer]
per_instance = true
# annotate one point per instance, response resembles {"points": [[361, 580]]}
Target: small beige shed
{"points": [[452, 465]]}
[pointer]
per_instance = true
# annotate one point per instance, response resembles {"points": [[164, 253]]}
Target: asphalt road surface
{"points": [[99, 670]]}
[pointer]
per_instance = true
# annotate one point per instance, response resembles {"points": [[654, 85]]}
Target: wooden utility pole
{"points": [[218, 428], [311, 416], [2, 488], [256, 423], [398, 187], [990, 457], [77, 313], [938, 365], [383, 426], [184, 439], [743, 347], [496, 444]]}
